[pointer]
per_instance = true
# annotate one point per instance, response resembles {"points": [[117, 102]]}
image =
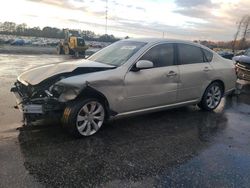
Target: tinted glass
{"points": [[161, 55], [118, 53], [189, 54], [208, 55]]}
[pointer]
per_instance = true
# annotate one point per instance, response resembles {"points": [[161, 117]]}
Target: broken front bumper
{"points": [[39, 106], [23, 105]]}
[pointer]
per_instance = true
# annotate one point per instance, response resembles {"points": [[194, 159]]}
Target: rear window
{"points": [[208, 55], [189, 54]]}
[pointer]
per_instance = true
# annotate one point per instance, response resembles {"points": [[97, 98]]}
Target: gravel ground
{"points": [[183, 147]]}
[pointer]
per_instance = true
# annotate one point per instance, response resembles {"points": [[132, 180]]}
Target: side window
{"points": [[161, 55], [208, 55], [189, 54]]}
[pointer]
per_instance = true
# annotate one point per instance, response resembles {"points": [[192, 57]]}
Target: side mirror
{"points": [[143, 64]]}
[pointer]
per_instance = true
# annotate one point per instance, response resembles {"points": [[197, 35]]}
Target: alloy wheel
{"points": [[213, 96], [90, 118]]}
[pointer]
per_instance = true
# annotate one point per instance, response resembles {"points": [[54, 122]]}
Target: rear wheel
{"points": [[84, 118], [212, 97], [71, 52], [76, 54], [66, 49], [60, 50]]}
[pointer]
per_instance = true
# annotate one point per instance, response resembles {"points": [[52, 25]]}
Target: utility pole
{"points": [[163, 34], [106, 26]]}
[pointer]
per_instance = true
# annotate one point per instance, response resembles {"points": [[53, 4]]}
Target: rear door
{"points": [[195, 72]]}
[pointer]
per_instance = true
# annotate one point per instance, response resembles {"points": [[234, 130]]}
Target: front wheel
{"points": [[212, 97], [84, 118], [59, 50]]}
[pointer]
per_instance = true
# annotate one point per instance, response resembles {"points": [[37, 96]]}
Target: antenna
{"points": [[106, 26]]}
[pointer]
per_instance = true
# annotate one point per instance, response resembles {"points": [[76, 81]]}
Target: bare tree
{"points": [[243, 31], [21, 28]]}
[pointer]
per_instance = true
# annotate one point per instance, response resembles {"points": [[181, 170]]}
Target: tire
{"points": [[211, 97], [66, 50], [84, 118], [71, 52], [76, 54], [60, 50]]}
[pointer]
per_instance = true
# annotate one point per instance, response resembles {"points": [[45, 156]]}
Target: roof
{"points": [[153, 40], [158, 40]]}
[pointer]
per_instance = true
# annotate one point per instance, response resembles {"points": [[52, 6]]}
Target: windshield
{"points": [[117, 53], [247, 53]]}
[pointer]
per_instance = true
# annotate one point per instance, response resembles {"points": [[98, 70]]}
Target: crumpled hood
{"points": [[242, 59], [36, 75]]}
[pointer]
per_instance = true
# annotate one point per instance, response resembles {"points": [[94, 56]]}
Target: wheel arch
{"points": [[202, 104], [220, 82], [216, 80], [90, 92]]}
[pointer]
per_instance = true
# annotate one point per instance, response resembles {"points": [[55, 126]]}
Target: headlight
{"points": [[69, 94], [65, 93], [57, 89]]}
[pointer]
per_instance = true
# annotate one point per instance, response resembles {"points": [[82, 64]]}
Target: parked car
{"points": [[243, 65], [18, 42], [225, 54], [126, 78]]}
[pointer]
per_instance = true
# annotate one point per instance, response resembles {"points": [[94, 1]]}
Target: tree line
{"points": [[234, 44], [11, 28]]}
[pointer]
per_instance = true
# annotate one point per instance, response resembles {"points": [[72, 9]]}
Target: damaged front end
{"points": [[36, 102], [41, 93]]}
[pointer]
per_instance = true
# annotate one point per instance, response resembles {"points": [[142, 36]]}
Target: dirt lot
{"points": [[183, 147], [7, 49], [38, 50]]}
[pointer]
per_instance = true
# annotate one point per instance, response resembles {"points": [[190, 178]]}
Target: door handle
{"points": [[171, 73], [206, 69]]}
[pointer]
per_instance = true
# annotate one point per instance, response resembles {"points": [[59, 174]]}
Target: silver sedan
{"points": [[126, 78]]}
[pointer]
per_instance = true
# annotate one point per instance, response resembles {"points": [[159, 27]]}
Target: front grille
{"points": [[244, 65], [243, 73]]}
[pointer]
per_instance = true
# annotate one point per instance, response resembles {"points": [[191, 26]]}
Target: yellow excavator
{"points": [[72, 45]]}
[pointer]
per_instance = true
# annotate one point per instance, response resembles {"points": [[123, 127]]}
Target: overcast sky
{"points": [[182, 19]]}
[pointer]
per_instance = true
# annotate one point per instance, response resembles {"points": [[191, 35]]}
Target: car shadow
{"points": [[128, 149]]}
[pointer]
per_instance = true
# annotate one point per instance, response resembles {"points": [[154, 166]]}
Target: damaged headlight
{"points": [[65, 93], [57, 89]]}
